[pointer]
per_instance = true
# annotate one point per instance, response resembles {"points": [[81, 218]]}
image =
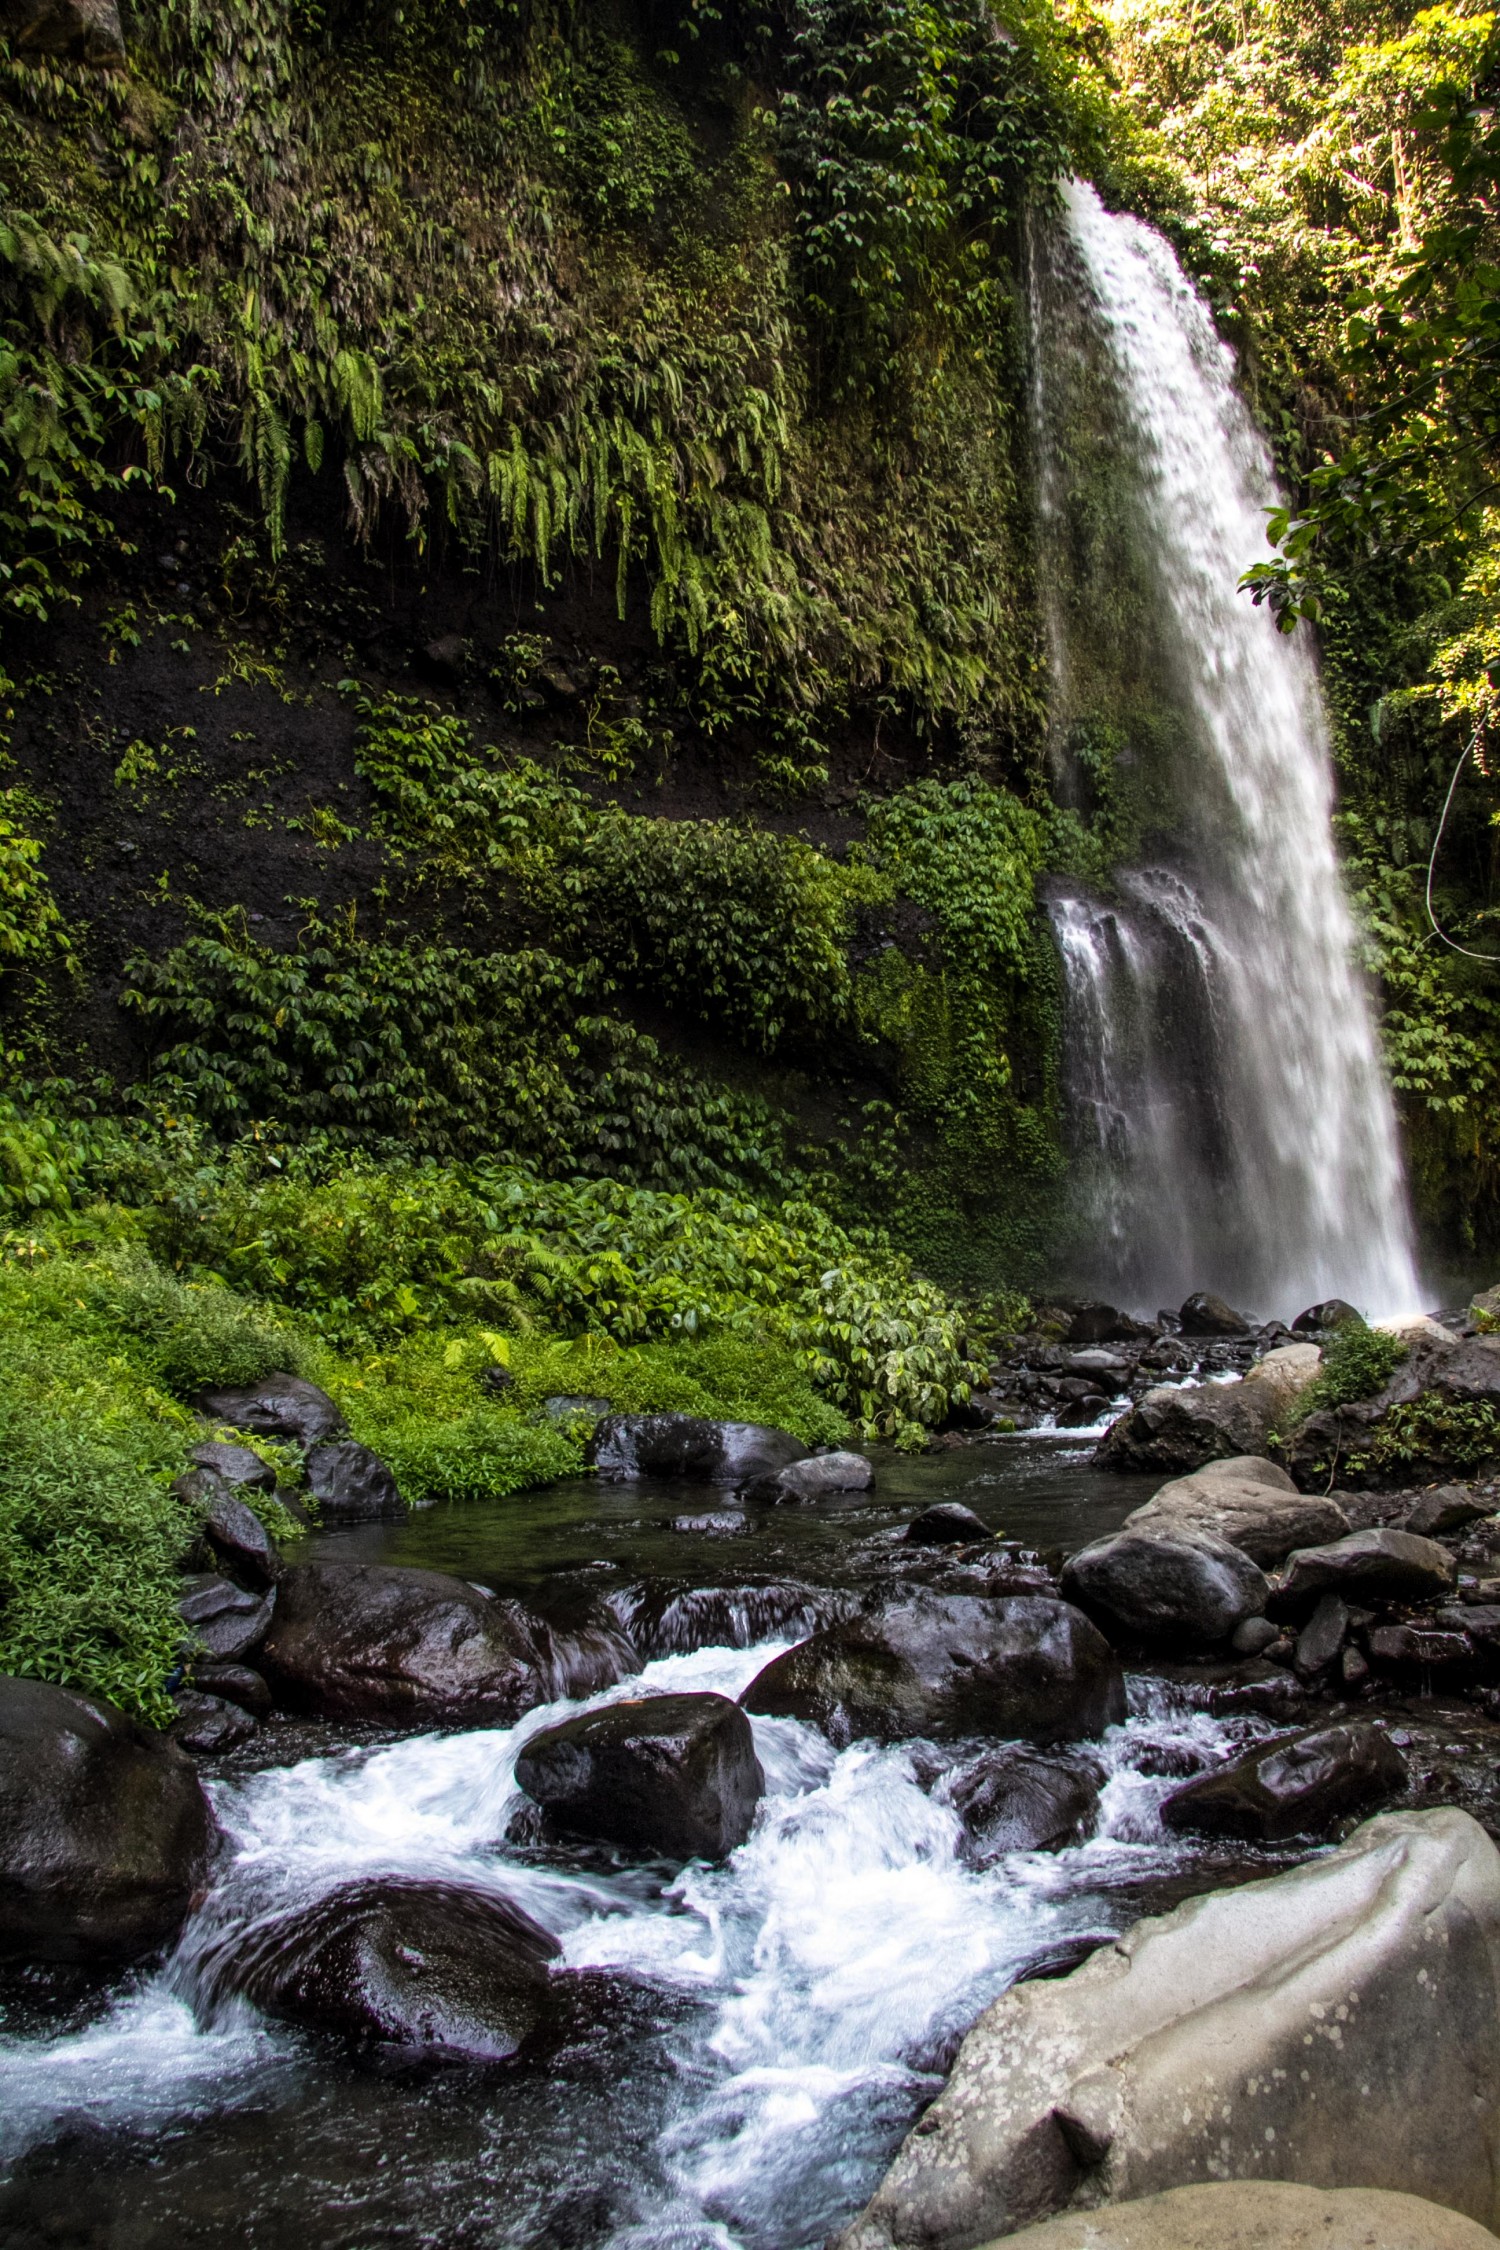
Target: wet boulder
{"points": [[1247, 1501], [663, 1619], [1204, 1314], [1020, 1667], [234, 1683], [239, 1539], [1339, 2023], [1448, 1507], [1097, 1323], [947, 1524], [368, 1641], [683, 1445], [1260, 2215], [420, 1965], [238, 1466], [209, 1723], [1322, 1637], [86, 31], [105, 1832], [282, 1406], [1181, 1430], [1321, 1319], [223, 1619], [1418, 1648], [672, 1775], [353, 1485], [1377, 1565], [1154, 1586], [814, 1479], [1297, 1786], [1011, 1800]]}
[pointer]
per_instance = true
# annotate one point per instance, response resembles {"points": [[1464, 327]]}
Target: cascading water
{"points": [[1234, 1129]]}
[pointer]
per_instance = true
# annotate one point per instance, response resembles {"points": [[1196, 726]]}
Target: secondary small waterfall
{"points": [[1232, 1122]]}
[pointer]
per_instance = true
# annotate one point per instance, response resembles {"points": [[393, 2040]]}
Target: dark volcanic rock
{"points": [[1297, 1786], [669, 1774], [234, 1683], [1377, 1565], [86, 31], [236, 1465], [353, 1485], [682, 1445], [364, 1641], [1148, 1587], [209, 1723], [105, 1832], [240, 1539], [948, 1524], [1447, 1508], [1333, 1312], [1204, 1314], [1102, 1324], [672, 1620], [402, 1962], [283, 1406], [1013, 1801], [1406, 1647], [223, 1619], [1322, 1636], [946, 1666]]}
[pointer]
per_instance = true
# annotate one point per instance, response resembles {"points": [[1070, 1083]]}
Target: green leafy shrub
{"points": [[1433, 1435], [739, 926], [1357, 1362], [444, 1051], [423, 1411]]}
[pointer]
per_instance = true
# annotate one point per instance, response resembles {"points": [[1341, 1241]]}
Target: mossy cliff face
{"points": [[517, 597]]}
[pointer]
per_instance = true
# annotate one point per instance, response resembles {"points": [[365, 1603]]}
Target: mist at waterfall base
{"points": [[1231, 1124]]}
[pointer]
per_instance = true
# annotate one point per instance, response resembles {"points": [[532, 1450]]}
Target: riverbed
{"points": [[751, 2041]]}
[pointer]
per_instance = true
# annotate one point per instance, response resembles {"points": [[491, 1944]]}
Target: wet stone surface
{"points": [[728, 2052]]}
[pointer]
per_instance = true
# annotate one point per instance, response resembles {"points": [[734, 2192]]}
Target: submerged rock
{"points": [[366, 1641], [353, 1485], [1339, 2023], [1260, 2215], [1011, 1800], [282, 1406], [1247, 1501], [674, 1775], [414, 1964], [1297, 1786], [944, 1666], [1151, 1586], [948, 1524], [105, 1832], [683, 1445]]}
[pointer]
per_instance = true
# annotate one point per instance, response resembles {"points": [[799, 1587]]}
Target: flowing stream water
{"points": [[770, 2027], [1232, 1120]]}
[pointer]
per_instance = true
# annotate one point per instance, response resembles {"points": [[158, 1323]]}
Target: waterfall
{"points": [[1232, 1124]]}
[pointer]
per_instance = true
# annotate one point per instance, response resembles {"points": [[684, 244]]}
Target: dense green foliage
{"points": [[1357, 1362]]}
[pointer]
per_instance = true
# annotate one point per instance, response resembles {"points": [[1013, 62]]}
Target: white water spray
{"points": [[1223, 1070]]}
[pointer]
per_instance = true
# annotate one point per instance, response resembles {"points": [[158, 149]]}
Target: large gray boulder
{"points": [[944, 1666], [683, 1445], [814, 1478], [1154, 1586], [1374, 1565], [367, 1641], [1247, 1501], [1178, 1430], [1338, 2025], [353, 1485], [669, 1774], [1261, 2215], [105, 1832]]}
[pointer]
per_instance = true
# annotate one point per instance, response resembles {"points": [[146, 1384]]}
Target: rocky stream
{"points": [[624, 1865]]}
